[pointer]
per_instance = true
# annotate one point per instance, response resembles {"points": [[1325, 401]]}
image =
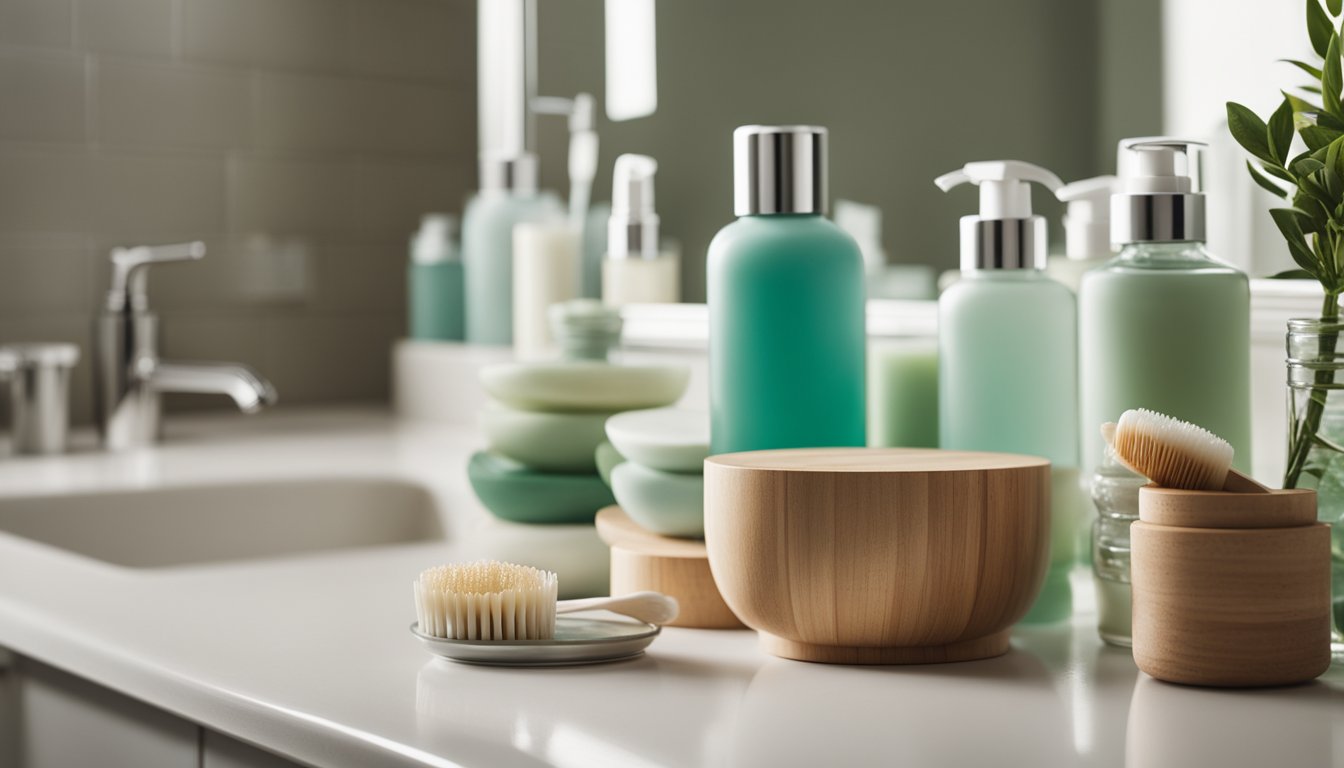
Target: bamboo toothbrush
{"points": [[1176, 454], [489, 600]]}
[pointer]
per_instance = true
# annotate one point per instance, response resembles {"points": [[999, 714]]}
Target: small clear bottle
{"points": [[1115, 492]]}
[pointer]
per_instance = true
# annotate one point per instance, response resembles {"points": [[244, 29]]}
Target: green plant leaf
{"points": [[1333, 6], [1331, 79], [1304, 66], [1289, 223], [1317, 137], [1249, 130], [1279, 132], [1264, 182], [1319, 27]]}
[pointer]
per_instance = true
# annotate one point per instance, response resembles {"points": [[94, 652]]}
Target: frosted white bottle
{"points": [[637, 270], [547, 258], [1007, 354]]}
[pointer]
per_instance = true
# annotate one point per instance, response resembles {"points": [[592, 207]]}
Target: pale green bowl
{"points": [[670, 439], [577, 385], [546, 442], [607, 458], [666, 503], [513, 492]]}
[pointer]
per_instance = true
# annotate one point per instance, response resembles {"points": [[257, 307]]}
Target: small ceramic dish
{"points": [[578, 640], [515, 493], [669, 439]]}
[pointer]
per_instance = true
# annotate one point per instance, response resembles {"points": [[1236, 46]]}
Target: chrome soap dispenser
{"points": [[1008, 370]]}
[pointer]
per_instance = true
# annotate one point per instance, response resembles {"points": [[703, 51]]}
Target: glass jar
{"points": [[1315, 381], [1115, 492]]}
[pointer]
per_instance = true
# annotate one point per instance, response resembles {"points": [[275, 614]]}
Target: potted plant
{"points": [[1311, 181]]}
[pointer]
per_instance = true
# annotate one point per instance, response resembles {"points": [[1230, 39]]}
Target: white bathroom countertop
{"points": [[310, 657]]}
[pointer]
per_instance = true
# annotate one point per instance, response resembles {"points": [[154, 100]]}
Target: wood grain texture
{"points": [[878, 556], [677, 567], [1223, 509], [1230, 606]]}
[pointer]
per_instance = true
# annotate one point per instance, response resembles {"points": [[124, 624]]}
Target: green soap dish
{"points": [[670, 439], [585, 386], [607, 458], [546, 442], [513, 492], [665, 503]]}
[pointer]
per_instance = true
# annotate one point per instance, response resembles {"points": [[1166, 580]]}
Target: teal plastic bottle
{"points": [[434, 282], [786, 304], [1007, 353], [508, 197]]}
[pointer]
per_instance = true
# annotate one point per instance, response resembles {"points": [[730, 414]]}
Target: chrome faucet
{"points": [[129, 377]]}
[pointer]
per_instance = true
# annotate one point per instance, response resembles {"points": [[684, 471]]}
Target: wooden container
{"points": [[641, 560], [1230, 589], [878, 556]]}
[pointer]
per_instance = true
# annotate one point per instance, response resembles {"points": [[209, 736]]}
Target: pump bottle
{"points": [[1164, 325], [1008, 374], [1087, 229], [508, 197], [786, 304], [637, 270]]}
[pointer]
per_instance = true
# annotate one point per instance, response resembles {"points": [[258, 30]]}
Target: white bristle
{"points": [[486, 600], [1172, 453]]}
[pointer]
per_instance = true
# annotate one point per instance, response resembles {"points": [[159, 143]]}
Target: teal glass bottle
{"points": [[786, 304]]}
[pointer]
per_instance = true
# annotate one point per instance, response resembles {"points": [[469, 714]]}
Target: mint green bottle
{"points": [[1164, 325], [1008, 353], [508, 197], [786, 304], [434, 281]]}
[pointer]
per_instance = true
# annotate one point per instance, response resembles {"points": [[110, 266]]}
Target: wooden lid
{"points": [[1222, 509], [876, 460], [618, 530]]}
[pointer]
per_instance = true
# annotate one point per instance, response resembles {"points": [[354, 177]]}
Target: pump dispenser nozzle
{"points": [[1005, 235], [1087, 223], [632, 230], [1159, 197]]}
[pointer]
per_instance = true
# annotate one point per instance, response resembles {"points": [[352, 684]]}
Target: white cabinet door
{"points": [[66, 722], [220, 751]]}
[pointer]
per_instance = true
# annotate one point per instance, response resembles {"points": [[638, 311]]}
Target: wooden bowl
{"points": [[878, 556]]}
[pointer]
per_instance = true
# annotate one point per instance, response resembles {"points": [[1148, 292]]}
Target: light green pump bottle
{"points": [[786, 304], [508, 196], [1164, 325], [1008, 366]]}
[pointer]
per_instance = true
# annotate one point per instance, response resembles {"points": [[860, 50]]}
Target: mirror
{"points": [[909, 90]]}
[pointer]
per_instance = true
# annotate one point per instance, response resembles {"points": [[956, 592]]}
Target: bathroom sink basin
{"points": [[167, 527]]}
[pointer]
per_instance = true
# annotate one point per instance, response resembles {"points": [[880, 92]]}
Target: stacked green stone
{"points": [[657, 471], [546, 420]]}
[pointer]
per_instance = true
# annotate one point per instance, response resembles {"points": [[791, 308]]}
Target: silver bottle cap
{"points": [[1003, 243], [779, 169], [1157, 201], [515, 173], [632, 229]]}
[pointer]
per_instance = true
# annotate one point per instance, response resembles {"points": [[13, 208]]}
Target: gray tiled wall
{"points": [[301, 139]]}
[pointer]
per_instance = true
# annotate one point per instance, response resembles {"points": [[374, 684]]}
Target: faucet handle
{"points": [[128, 273]]}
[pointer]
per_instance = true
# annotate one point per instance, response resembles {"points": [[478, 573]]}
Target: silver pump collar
{"points": [[510, 173], [779, 169], [1002, 243], [1157, 218]]}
